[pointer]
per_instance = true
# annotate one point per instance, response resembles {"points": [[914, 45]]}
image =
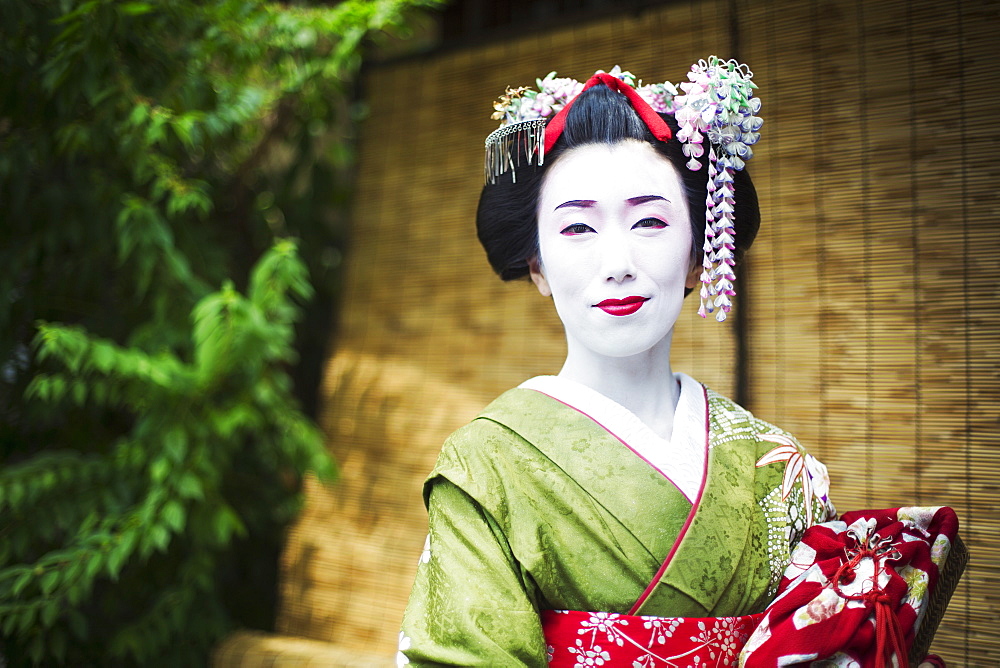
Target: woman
{"points": [[616, 487]]}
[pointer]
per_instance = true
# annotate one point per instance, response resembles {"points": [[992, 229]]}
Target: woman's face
{"points": [[615, 247]]}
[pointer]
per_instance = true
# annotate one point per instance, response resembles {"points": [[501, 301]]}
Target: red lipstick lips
{"points": [[626, 306]]}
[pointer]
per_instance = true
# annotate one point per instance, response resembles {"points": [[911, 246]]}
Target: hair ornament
{"points": [[523, 114], [716, 103]]}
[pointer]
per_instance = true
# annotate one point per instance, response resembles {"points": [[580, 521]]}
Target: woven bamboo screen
{"points": [[870, 298], [875, 331]]}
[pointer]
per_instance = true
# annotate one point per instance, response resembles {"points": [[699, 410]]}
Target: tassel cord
{"points": [[889, 638]]}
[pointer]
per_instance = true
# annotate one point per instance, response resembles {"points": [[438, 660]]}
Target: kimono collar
{"points": [[681, 457], [704, 559]]}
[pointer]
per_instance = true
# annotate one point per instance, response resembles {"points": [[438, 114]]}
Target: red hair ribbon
{"points": [[653, 121]]}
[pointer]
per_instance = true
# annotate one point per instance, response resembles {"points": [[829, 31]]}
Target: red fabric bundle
{"points": [[856, 590]]}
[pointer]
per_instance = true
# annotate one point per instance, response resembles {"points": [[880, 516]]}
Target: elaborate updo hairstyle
{"points": [[507, 217]]}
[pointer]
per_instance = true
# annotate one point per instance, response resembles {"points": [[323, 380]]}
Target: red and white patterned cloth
{"points": [[856, 590], [582, 639]]}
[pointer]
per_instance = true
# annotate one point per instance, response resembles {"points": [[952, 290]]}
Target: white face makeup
{"points": [[615, 248]]}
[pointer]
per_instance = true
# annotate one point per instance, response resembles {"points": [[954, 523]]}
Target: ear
{"points": [[538, 278], [693, 277]]}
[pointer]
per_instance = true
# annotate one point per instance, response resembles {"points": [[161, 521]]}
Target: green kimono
{"points": [[534, 505]]}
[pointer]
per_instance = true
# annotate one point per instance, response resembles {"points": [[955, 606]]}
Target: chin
{"points": [[622, 349]]}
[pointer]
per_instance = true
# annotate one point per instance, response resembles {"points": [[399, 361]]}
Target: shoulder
{"points": [[728, 417], [481, 456], [782, 462], [498, 427]]}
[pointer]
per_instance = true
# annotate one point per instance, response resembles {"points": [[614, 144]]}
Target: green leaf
{"points": [[15, 493], [183, 127], [135, 8], [77, 623], [173, 516], [159, 469], [56, 642], [76, 592], [102, 356], [36, 648], [226, 523], [116, 560], [140, 113], [49, 580], [79, 392], [190, 487], [82, 9], [175, 445], [50, 612], [158, 537], [26, 619], [9, 622], [92, 566], [21, 582]]}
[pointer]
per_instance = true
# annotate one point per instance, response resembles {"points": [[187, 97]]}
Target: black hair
{"points": [[506, 220]]}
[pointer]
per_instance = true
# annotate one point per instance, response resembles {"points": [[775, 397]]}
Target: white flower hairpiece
{"points": [[717, 103], [521, 104]]}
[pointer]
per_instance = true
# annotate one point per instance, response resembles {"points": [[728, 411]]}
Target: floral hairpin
{"points": [[524, 104], [717, 103]]}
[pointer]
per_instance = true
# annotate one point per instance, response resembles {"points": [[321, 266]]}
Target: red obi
{"points": [[577, 639], [855, 594]]}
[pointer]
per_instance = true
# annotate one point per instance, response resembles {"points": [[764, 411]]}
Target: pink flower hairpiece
{"points": [[717, 104]]}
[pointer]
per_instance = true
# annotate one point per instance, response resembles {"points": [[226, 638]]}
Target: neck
{"points": [[643, 383]]}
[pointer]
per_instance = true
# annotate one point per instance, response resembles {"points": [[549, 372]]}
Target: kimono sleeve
{"points": [[470, 605]]}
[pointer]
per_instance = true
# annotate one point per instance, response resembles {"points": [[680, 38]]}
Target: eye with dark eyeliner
{"points": [[576, 228], [650, 223]]}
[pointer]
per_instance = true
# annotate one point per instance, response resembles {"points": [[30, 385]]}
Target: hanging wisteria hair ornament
{"points": [[716, 103]]}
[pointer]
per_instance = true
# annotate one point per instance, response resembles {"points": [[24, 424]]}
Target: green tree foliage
{"points": [[156, 161]]}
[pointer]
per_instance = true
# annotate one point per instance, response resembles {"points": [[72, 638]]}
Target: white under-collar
{"points": [[681, 459]]}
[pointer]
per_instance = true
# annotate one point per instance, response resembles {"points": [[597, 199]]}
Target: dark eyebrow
{"points": [[642, 199], [581, 203], [632, 201]]}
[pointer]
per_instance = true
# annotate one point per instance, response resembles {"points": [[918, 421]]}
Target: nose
{"points": [[616, 258]]}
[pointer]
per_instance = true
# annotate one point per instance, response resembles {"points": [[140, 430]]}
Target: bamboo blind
{"points": [[870, 296], [873, 304]]}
